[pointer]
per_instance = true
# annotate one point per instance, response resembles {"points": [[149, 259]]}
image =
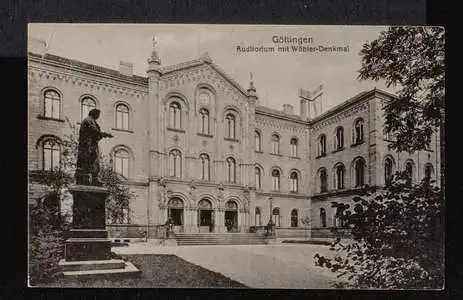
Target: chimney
{"points": [[37, 46], [125, 68], [303, 108], [288, 109]]}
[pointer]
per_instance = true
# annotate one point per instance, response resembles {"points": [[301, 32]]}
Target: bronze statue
{"points": [[88, 154]]}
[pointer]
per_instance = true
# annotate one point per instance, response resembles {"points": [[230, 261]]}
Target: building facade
{"points": [[198, 148]]}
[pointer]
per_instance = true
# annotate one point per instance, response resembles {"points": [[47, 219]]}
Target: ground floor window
{"points": [[294, 219], [276, 217]]}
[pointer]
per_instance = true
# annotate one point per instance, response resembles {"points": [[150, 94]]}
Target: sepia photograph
{"points": [[236, 156]]}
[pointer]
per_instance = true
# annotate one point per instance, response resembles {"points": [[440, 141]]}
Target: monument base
{"points": [[89, 268], [88, 250]]}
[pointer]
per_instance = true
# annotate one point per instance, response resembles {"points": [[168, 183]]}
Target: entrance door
{"points": [[205, 221], [231, 220]]}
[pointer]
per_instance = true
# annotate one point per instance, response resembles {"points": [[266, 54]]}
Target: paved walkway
{"points": [[256, 266]]}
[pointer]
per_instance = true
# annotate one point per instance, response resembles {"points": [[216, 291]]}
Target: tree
{"points": [[398, 239], [410, 59]]}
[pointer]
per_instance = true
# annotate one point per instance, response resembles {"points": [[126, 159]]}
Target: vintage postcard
{"points": [[235, 156]]}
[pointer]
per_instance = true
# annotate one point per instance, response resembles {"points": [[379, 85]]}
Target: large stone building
{"points": [[197, 147]]}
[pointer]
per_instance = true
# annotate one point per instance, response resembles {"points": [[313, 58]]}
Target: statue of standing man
{"points": [[88, 154]]}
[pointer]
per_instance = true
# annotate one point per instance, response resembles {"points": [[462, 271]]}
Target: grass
{"points": [[158, 271]]}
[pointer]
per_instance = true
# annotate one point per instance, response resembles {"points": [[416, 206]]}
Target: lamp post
{"points": [[270, 222]]}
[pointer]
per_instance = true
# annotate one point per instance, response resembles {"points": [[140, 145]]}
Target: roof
{"points": [[349, 102], [278, 113], [91, 67]]}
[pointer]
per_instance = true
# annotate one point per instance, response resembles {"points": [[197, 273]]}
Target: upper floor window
{"points": [[52, 104], [86, 105], [122, 117], [387, 135], [275, 144], [258, 174], [359, 172], [51, 154], [358, 131], [205, 166], [276, 180], [204, 116], [175, 115], [388, 165], [322, 145], [231, 170], [293, 147], [323, 180], [258, 141], [339, 140], [339, 177], [409, 169], [294, 182], [121, 162], [175, 163], [294, 218], [230, 126]]}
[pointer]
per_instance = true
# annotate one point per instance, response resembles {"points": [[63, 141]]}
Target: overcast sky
{"points": [[277, 76]]}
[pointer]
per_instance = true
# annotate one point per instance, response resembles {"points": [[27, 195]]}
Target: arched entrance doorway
{"points": [[175, 213], [205, 216], [231, 216]]}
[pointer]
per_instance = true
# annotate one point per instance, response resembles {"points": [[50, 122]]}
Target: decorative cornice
{"points": [[344, 192], [81, 81], [283, 195], [275, 124]]}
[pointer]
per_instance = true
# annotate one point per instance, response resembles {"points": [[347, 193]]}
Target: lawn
{"points": [[158, 271]]}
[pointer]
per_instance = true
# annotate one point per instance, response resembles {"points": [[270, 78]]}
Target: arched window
{"points": [[204, 116], [387, 135], [276, 180], [231, 170], [258, 174], [388, 165], [359, 167], [276, 216], [322, 217], [122, 117], [294, 218], [175, 115], [322, 145], [257, 220], [86, 105], [293, 147], [205, 166], [358, 131], [51, 154], [339, 141], [175, 163], [323, 180], [52, 101], [275, 144], [428, 171], [121, 162], [175, 211], [230, 123], [339, 177], [409, 170], [294, 182], [258, 141]]}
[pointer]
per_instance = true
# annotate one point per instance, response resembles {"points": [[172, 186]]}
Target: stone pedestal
{"points": [[88, 250]]}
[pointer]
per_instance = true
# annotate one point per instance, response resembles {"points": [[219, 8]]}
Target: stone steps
{"points": [[127, 269], [184, 239]]}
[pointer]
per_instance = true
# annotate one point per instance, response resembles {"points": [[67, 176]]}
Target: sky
{"points": [[277, 76]]}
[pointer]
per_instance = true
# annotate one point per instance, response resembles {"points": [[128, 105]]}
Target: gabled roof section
{"points": [[203, 61], [263, 110], [71, 63], [351, 101]]}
